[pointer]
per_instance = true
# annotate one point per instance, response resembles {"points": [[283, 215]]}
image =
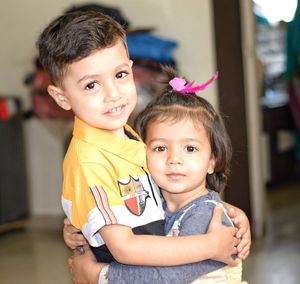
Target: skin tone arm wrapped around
{"points": [[85, 269], [74, 238]]}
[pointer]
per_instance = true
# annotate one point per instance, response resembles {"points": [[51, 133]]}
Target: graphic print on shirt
{"points": [[134, 195]]}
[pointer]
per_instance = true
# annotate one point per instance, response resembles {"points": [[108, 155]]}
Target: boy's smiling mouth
{"points": [[116, 110]]}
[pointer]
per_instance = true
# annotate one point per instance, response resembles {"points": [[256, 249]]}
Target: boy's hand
{"points": [[84, 267], [72, 236], [241, 221], [224, 238]]}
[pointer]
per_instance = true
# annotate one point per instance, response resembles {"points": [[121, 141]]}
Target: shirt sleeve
{"points": [[195, 222], [91, 191]]}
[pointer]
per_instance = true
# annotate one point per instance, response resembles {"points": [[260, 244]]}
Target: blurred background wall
{"points": [[188, 22]]}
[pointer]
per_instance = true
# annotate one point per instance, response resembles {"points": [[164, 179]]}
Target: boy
{"points": [[107, 189]]}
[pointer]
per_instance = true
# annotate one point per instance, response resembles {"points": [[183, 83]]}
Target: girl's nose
{"points": [[175, 159]]}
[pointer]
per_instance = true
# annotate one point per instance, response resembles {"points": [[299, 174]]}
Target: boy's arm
{"points": [[133, 249], [241, 221], [85, 269]]}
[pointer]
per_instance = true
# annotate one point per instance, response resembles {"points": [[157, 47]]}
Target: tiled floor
{"points": [[33, 257], [276, 259], [38, 255]]}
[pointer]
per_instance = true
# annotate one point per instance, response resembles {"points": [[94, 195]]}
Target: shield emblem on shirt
{"points": [[134, 195]]}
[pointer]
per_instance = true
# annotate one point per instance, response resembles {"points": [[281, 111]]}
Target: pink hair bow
{"points": [[180, 85]]}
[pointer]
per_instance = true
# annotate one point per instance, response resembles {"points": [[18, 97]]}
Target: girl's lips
{"points": [[175, 176]]}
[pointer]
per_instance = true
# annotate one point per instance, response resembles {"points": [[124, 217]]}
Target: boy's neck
{"points": [[119, 132]]}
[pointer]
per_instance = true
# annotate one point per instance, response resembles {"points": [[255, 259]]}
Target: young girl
{"points": [[188, 155]]}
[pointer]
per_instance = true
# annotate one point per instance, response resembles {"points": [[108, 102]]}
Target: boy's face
{"points": [[99, 89], [179, 157]]}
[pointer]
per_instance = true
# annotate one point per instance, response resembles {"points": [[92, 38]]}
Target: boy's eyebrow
{"points": [[91, 76]]}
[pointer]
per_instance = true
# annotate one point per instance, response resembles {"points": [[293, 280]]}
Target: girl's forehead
{"points": [[169, 119]]}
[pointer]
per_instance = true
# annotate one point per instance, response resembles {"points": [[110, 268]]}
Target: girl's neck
{"points": [[175, 201]]}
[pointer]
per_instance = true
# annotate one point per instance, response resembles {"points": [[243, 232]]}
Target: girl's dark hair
{"points": [[74, 36], [175, 106]]}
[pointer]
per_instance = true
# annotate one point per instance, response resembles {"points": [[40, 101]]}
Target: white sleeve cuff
{"points": [[103, 276]]}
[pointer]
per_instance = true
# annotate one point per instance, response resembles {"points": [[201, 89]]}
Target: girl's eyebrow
{"points": [[166, 139], [156, 140]]}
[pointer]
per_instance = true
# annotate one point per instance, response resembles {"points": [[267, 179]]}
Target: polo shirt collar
{"points": [[128, 149]]}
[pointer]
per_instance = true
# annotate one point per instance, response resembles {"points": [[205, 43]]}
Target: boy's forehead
{"points": [[99, 61]]}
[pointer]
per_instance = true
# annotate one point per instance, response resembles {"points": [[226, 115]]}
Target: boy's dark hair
{"points": [[175, 106], [74, 36]]}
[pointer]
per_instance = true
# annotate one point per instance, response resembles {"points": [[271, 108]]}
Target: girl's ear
{"points": [[211, 166], [59, 96]]}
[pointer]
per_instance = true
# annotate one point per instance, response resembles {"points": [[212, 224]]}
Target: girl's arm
{"points": [[84, 267], [219, 244]]}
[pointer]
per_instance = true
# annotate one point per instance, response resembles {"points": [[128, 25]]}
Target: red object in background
{"points": [[4, 110], [45, 107]]}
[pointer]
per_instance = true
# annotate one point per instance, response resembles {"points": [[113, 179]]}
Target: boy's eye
{"points": [[160, 149], [91, 86], [121, 74], [191, 149]]}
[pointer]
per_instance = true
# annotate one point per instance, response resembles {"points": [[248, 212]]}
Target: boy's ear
{"points": [[58, 95]]}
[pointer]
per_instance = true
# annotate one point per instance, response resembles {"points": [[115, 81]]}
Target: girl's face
{"points": [[179, 157]]}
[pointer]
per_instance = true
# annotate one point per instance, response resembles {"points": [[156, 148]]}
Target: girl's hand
{"points": [[84, 267], [72, 236], [241, 221], [223, 238]]}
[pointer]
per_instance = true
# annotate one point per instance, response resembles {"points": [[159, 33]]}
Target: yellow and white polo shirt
{"points": [[106, 181]]}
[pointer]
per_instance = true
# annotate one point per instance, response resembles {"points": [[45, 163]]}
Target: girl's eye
{"points": [[191, 149], [121, 74], [160, 149], [91, 86]]}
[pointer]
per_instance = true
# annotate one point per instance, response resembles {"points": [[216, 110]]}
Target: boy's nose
{"points": [[112, 93]]}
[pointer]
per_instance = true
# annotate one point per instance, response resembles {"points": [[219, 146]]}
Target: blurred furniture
{"points": [[282, 163], [14, 207]]}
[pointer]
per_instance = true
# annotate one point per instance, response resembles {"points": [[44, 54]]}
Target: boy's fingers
{"points": [[70, 261], [240, 233], [231, 212], [80, 237], [244, 255], [67, 222], [242, 245]]}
